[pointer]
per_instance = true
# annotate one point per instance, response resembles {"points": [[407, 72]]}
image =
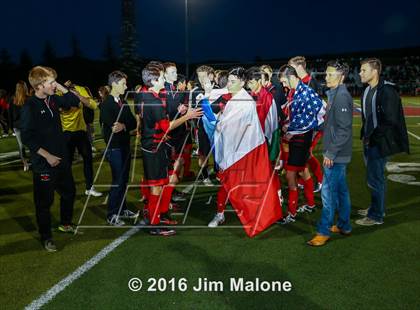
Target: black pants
{"points": [[45, 184], [80, 140], [119, 160]]}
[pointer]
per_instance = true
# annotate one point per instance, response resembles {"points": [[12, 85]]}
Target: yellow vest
{"points": [[72, 120]]}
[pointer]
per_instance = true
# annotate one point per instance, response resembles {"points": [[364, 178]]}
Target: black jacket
{"points": [[174, 99], [41, 128], [390, 135], [110, 113], [16, 115]]}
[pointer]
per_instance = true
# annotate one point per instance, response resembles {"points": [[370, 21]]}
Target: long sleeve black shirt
{"points": [[41, 128]]}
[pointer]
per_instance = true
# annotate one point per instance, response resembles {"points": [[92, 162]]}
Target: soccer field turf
{"points": [[376, 267]]}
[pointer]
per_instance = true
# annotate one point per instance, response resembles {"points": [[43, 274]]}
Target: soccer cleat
{"points": [[177, 196], [208, 182], [280, 197], [318, 187], [188, 189], [218, 219], [165, 219], [174, 207], [49, 245], [366, 221], [363, 212], [129, 214], [69, 228], [288, 219], [306, 208], [92, 192], [318, 240], [162, 232], [115, 221], [336, 230]]}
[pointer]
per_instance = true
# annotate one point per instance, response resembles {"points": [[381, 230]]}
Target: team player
{"points": [[305, 111], [204, 75], [118, 121], [299, 63], [178, 137], [155, 127]]}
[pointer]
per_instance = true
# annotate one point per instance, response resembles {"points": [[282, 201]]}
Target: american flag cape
{"points": [[307, 110]]}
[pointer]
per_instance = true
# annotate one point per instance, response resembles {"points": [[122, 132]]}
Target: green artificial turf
{"points": [[375, 268]]}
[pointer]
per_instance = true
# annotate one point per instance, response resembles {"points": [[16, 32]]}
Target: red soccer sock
{"points": [[316, 168], [222, 196], [153, 208], [166, 198], [309, 192], [293, 201]]}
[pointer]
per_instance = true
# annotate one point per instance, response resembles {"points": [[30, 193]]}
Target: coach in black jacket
{"points": [[383, 133]]}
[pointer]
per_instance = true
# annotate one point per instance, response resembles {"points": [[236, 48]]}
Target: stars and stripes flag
{"points": [[307, 110]]}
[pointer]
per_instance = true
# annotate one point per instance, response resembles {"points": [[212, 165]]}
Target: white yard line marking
{"points": [[60, 286], [413, 135]]}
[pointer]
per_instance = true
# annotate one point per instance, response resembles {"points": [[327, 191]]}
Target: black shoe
{"points": [[49, 245], [162, 232]]}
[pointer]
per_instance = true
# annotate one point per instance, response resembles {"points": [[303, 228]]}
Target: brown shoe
{"points": [[318, 240], [336, 230]]}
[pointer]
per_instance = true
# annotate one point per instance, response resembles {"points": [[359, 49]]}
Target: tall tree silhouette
{"points": [[75, 47], [128, 43], [109, 52], [25, 59], [5, 58], [48, 54]]}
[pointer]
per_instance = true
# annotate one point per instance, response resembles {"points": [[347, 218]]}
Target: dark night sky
{"points": [[219, 29]]}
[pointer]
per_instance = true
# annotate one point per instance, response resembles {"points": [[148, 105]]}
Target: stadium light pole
{"points": [[187, 46]]}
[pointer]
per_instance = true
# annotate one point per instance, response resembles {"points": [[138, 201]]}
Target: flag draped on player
{"points": [[240, 151]]}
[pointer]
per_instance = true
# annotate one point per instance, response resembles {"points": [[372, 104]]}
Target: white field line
{"points": [[413, 135], [60, 286]]}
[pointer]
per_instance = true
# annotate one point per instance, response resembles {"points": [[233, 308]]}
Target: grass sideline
{"points": [[375, 267]]}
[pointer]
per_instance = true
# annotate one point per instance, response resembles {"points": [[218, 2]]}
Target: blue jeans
{"points": [[119, 160], [335, 197], [375, 174]]}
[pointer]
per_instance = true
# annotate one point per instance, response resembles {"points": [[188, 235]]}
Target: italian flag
{"points": [[269, 120], [241, 152]]}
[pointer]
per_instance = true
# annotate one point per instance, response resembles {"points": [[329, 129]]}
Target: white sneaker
{"points": [[286, 220], [92, 192], [129, 214], [115, 221], [208, 182], [188, 188], [306, 208], [363, 212], [218, 219]]}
